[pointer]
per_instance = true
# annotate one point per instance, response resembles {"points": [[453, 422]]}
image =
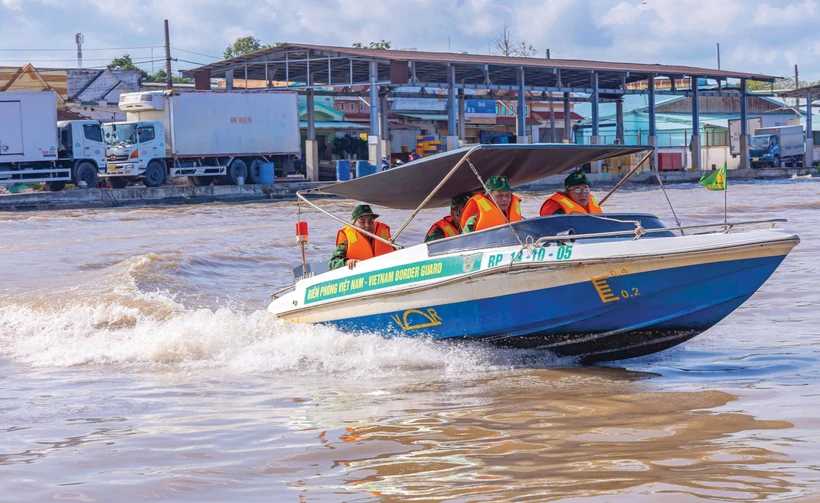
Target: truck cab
{"points": [[81, 140], [132, 146], [765, 149]]}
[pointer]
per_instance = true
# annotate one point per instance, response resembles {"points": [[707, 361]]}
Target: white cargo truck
{"points": [[34, 147], [776, 146], [754, 123], [207, 136]]}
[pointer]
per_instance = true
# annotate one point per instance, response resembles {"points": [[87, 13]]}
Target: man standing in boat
{"points": [[449, 226], [352, 246], [481, 213], [575, 198]]}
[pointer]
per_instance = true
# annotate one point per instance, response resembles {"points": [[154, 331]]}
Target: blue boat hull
{"points": [[654, 311]]}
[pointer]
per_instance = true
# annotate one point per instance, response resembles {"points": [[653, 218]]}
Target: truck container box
{"points": [[28, 127], [220, 123]]}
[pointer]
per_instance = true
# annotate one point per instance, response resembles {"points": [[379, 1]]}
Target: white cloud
{"points": [[788, 15]]}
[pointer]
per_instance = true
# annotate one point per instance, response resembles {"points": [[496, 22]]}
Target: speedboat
{"points": [[596, 287]]}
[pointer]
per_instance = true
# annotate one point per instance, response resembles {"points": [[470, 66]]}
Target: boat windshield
{"points": [[760, 141], [120, 134]]}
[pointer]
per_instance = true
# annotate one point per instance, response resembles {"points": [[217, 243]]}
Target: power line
{"points": [[198, 53], [92, 49], [29, 60]]}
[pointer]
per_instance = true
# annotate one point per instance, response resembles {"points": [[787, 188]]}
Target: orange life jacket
{"points": [[360, 247], [488, 213], [447, 226], [562, 200]]}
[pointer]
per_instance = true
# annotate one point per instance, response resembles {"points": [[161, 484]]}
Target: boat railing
{"points": [[724, 228]]}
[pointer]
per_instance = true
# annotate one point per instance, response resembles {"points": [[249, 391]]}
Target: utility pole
{"points": [[548, 55], [79, 39], [718, 55], [796, 80], [169, 80]]}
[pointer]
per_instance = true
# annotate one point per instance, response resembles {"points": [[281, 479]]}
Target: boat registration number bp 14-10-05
{"points": [[537, 255]]}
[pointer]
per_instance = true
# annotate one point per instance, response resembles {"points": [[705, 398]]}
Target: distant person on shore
{"points": [[481, 213], [352, 246], [451, 225], [574, 199]]}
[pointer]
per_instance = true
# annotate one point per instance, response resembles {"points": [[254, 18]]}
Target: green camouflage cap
{"points": [[498, 183], [362, 210], [576, 178], [460, 200]]}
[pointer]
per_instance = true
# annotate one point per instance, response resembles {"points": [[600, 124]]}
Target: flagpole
{"points": [[725, 194]]}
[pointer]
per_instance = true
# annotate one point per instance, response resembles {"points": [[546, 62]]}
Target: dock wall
{"points": [[178, 194]]}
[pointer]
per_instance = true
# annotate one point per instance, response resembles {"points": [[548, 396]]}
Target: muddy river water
{"points": [[137, 362]]}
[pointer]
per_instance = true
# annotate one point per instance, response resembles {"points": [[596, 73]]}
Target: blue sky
{"points": [[757, 36]]}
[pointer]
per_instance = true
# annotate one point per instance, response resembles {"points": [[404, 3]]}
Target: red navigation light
{"points": [[302, 232]]}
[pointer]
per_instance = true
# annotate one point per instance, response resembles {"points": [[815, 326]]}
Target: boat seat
{"points": [[313, 268], [553, 225]]}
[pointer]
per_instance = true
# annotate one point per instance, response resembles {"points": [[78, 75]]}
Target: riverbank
{"points": [[185, 194]]}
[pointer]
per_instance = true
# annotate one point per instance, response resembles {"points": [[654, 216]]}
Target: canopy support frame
{"points": [[433, 193], [301, 196]]}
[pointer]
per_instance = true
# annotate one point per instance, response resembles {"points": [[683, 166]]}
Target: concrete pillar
{"points": [[744, 127], [384, 125], [653, 138], [374, 146], [229, 80], [696, 164], [522, 106], [808, 160], [567, 120], [553, 134], [596, 138], [461, 118], [619, 120], [311, 145], [452, 133]]}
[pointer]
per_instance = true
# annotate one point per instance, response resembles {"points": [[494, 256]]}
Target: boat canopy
{"points": [[405, 187]]}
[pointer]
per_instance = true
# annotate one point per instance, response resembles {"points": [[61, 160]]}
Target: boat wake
{"points": [[102, 318]]}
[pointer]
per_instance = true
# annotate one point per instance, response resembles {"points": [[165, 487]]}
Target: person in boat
{"points": [[481, 213], [449, 226], [575, 198], [352, 246]]}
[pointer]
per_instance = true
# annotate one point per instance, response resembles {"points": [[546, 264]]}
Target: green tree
{"points": [[779, 85], [125, 63], [245, 45], [382, 45]]}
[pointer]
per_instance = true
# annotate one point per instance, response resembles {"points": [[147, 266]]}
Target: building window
{"points": [[497, 110], [361, 107], [503, 110], [525, 109], [351, 107]]}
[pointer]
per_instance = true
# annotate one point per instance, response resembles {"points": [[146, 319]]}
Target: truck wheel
{"points": [[154, 174], [55, 186], [86, 172], [116, 182], [776, 162], [254, 172], [236, 169], [200, 181]]}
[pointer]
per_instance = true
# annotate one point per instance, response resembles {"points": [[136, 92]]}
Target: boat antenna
{"points": [[654, 168], [503, 214]]}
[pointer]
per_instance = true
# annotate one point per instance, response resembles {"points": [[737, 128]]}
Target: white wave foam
{"points": [[101, 317], [222, 338]]}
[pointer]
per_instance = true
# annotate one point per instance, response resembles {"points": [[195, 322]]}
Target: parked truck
{"points": [[210, 137], [775, 146], [753, 123], [35, 147]]}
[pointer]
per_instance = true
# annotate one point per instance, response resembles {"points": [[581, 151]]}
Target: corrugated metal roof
{"points": [[482, 59]]}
